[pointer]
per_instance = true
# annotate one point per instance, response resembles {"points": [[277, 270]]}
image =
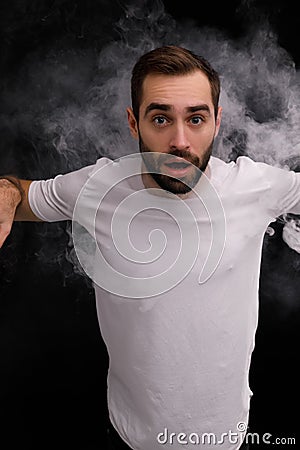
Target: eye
{"points": [[196, 120], [159, 121]]}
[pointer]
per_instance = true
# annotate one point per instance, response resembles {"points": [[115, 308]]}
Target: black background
{"points": [[53, 361]]}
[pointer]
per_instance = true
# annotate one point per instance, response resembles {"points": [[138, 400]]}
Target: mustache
{"points": [[184, 154]]}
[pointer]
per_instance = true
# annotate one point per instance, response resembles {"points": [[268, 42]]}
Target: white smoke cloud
{"points": [[260, 90]]}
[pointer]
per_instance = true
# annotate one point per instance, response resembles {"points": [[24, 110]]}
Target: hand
{"points": [[10, 198]]}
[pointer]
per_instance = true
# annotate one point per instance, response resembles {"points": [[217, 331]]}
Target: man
{"points": [[179, 347]]}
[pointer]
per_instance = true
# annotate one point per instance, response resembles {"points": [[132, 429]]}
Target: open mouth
{"points": [[177, 165], [177, 168]]}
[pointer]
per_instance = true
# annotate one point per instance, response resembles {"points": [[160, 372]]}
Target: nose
{"points": [[179, 138]]}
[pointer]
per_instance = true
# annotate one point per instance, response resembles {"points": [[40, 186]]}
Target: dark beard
{"points": [[175, 185]]}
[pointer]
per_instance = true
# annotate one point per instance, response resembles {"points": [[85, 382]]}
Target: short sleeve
{"points": [[283, 195], [54, 199], [277, 189]]}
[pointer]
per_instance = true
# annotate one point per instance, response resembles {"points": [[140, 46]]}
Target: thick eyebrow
{"points": [[160, 106], [202, 107], [166, 107]]}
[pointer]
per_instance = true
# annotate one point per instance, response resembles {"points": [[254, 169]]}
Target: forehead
{"points": [[182, 90]]}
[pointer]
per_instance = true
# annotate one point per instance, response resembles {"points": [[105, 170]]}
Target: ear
{"points": [[218, 121], [133, 126]]}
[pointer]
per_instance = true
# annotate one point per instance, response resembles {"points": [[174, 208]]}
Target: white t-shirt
{"points": [[179, 360]]}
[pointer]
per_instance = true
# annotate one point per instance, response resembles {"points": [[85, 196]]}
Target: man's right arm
{"points": [[48, 200]]}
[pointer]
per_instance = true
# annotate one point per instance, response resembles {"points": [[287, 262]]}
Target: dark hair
{"points": [[171, 60]]}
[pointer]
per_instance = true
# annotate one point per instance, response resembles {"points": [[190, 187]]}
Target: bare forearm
{"points": [[23, 211], [14, 204], [14, 198]]}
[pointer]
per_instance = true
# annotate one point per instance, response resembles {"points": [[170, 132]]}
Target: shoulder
{"points": [[246, 167], [99, 164], [241, 163]]}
